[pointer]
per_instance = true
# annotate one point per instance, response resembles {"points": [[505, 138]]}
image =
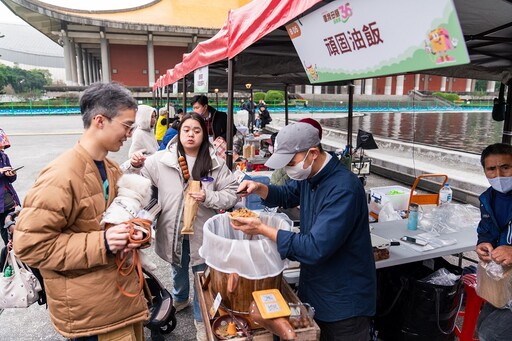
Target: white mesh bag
{"points": [[228, 250]]}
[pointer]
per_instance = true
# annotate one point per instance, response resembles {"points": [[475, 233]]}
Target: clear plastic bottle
{"points": [[445, 195]]}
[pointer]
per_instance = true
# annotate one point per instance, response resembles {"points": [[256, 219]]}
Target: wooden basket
{"points": [[206, 302]]}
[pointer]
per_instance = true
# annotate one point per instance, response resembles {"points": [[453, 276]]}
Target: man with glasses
{"points": [[59, 232]]}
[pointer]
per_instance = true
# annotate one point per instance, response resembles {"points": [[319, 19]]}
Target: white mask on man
{"points": [[297, 172], [501, 184]]}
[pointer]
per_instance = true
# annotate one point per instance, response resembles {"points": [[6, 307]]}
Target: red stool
{"points": [[471, 311]]}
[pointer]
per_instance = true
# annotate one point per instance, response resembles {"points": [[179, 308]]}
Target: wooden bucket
{"points": [[236, 291]]}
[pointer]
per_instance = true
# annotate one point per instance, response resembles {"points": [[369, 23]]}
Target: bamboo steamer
{"points": [[236, 291]]}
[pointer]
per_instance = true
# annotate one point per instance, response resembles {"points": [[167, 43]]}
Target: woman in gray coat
{"points": [[218, 192]]}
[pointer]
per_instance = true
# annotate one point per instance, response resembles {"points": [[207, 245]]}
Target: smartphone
{"points": [[15, 169], [412, 240]]}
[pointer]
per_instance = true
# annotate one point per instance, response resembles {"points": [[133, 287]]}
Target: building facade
{"points": [[401, 85], [129, 45]]}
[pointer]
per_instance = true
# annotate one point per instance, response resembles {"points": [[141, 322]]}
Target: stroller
{"points": [[162, 314]]}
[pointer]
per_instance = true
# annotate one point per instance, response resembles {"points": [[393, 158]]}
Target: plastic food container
{"points": [[301, 315], [380, 247], [398, 195]]}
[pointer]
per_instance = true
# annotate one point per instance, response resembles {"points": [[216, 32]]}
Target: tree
{"points": [[24, 80]]}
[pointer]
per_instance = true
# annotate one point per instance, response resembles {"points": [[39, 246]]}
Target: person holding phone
{"points": [[8, 197]]}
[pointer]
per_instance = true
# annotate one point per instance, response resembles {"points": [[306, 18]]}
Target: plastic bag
{"points": [[442, 277], [408, 308], [228, 250], [494, 270], [494, 284], [448, 219], [388, 213]]}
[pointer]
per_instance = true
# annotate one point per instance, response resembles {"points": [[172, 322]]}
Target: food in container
{"points": [[223, 327], [241, 213], [380, 247], [301, 315]]}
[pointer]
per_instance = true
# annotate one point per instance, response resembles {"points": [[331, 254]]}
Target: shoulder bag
{"points": [[22, 288], [8, 201]]}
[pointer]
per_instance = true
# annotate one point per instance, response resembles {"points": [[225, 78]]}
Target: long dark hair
{"points": [[203, 163]]}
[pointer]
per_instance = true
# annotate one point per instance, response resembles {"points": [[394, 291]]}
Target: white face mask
{"points": [[298, 172], [501, 184]]}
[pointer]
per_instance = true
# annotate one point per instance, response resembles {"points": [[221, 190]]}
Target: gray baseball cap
{"points": [[290, 140]]}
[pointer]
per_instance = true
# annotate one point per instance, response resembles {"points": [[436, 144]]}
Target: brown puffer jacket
{"points": [[58, 231]]}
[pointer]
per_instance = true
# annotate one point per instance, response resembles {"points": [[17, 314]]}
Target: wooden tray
{"points": [[206, 301]]}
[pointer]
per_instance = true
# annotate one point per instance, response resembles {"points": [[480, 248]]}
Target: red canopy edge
{"points": [[244, 27]]}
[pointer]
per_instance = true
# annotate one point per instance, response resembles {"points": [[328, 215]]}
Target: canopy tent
{"points": [[254, 34], [257, 46], [244, 26]]}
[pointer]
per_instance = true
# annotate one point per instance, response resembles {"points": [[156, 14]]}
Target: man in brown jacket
{"points": [[59, 232]]}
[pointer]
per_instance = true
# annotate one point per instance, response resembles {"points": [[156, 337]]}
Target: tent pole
{"points": [[350, 115], [167, 89], [229, 130], [167, 115], [286, 104], [184, 81], [507, 125]]}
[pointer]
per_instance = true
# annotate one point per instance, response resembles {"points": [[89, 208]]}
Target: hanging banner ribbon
{"points": [[201, 80]]}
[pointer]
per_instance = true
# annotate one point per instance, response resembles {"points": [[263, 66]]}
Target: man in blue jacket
{"points": [[334, 247], [495, 233]]}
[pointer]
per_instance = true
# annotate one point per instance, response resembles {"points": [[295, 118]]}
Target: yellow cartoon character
{"points": [[311, 70], [440, 43]]}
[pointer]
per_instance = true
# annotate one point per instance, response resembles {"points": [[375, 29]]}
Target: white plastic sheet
{"points": [[449, 219], [433, 241], [231, 251]]}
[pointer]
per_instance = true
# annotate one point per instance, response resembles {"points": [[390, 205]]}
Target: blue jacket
{"points": [[337, 275], [169, 134], [488, 229]]}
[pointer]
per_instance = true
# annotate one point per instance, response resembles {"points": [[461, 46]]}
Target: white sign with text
{"points": [[368, 38], [201, 80]]}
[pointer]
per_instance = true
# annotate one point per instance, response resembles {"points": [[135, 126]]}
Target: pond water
{"points": [[464, 131], [469, 131]]}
